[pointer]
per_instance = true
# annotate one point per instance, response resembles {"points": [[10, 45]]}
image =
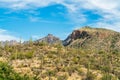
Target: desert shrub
{"points": [[105, 68], [64, 77], [75, 60], [22, 55], [80, 72], [42, 43], [29, 54], [106, 77], [90, 76], [7, 73], [116, 52], [71, 70], [101, 52], [51, 73], [16, 56]]}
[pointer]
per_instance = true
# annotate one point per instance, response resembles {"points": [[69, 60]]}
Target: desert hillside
{"points": [[94, 38], [86, 54]]}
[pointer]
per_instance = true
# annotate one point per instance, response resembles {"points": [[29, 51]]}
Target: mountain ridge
{"points": [[50, 39], [85, 37], [96, 38]]}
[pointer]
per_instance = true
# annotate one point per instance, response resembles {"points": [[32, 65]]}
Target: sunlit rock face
{"points": [[50, 39], [76, 34]]}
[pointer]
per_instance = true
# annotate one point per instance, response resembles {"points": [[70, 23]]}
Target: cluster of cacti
{"points": [[56, 62]]}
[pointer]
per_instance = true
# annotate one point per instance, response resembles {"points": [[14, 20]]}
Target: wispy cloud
{"points": [[109, 10], [25, 4], [5, 35], [2, 31], [38, 19], [34, 19], [35, 37]]}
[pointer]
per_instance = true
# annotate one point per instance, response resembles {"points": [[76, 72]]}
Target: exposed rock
{"points": [[94, 38], [76, 34], [50, 39]]}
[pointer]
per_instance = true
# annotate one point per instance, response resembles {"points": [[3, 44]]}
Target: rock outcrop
{"points": [[50, 39], [94, 38], [76, 34]]}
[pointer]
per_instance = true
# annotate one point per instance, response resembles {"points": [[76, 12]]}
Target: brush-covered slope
{"points": [[56, 62], [94, 38], [41, 61]]}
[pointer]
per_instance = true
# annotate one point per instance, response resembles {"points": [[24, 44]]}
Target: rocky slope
{"points": [[50, 39], [94, 38]]}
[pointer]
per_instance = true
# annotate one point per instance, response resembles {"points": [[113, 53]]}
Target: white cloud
{"points": [[76, 28], [112, 26], [4, 35], [35, 37], [2, 31], [34, 19], [109, 10], [22, 4]]}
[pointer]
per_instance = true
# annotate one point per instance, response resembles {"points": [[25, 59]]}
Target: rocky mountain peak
{"points": [[76, 34], [50, 35], [50, 39], [96, 38]]}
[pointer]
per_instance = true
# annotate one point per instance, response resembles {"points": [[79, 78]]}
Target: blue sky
{"points": [[37, 18]]}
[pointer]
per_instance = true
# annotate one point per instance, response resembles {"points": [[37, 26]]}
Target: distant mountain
{"points": [[12, 42], [86, 37], [94, 38], [50, 39]]}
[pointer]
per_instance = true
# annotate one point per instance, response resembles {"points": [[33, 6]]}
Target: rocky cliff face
{"points": [[76, 34], [94, 38]]}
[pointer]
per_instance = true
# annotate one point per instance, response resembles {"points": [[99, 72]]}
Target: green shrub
{"points": [[80, 72], [106, 77], [7, 73], [22, 55], [64, 77], [29, 54], [90, 76], [105, 68], [50, 73]]}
